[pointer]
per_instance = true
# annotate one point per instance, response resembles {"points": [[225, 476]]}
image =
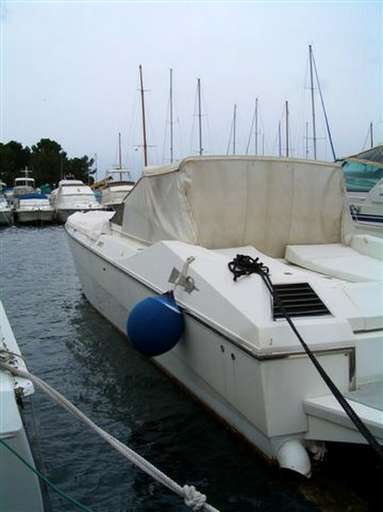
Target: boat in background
{"points": [[116, 190], [24, 185], [6, 214], [116, 184], [364, 182], [33, 208], [19, 486], [167, 259], [72, 196]]}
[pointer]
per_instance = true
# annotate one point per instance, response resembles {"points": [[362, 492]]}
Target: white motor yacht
{"points": [[72, 196], [33, 208], [6, 214], [364, 180], [19, 486], [163, 274], [23, 186], [367, 209], [117, 187]]}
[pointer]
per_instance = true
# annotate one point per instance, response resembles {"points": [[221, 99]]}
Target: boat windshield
{"points": [[361, 176], [24, 182]]}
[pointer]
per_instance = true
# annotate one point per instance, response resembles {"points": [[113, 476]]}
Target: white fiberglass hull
{"points": [[114, 294], [260, 397], [35, 216], [6, 217], [19, 486]]}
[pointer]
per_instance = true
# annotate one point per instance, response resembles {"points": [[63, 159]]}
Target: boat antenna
{"points": [[279, 140], [171, 115], [143, 118], [323, 107], [312, 101], [287, 128], [371, 135], [199, 116], [256, 126]]}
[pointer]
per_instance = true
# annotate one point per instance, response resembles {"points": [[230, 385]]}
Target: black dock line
{"points": [[243, 265]]}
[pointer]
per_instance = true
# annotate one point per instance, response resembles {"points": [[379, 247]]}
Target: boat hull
{"points": [[34, 216], [6, 217], [115, 307], [16, 477], [261, 398], [19, 486]]}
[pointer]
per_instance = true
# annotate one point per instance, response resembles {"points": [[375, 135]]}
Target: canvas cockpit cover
{"points": [[220, 202]]}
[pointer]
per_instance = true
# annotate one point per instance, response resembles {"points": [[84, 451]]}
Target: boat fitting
{"points": [[293, 455]]}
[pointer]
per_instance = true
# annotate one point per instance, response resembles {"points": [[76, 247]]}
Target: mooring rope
{"points": [[192, 498], [243, 265]]}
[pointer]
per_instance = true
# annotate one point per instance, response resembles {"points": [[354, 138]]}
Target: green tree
{"points": [[48, 161], [81, 168], [13, 158]]}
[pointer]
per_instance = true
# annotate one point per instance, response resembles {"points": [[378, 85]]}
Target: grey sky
{"points": [[69, 71]]}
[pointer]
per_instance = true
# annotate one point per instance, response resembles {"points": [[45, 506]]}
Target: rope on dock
{"points": [[192, 498]]}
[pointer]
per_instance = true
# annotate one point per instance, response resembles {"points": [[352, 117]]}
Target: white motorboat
{"points": [[72, 196], [181, 227], [34, 208], [367, 209], [19, 486], [116, 190], [364, 180], [24, 185], [6, 214]]}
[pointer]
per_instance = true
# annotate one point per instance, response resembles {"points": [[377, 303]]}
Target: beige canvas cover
{"points": [[220, 202]]}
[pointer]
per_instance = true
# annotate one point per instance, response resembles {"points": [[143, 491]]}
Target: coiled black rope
{"points": [[243, 265]]}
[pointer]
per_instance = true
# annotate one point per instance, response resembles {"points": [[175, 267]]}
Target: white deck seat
{"points": [[336, 260]]}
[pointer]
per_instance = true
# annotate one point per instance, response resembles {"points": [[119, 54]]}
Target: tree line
{"points": [[46, 160]]}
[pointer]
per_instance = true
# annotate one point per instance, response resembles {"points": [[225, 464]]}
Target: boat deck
{"points": [[367, 401]]}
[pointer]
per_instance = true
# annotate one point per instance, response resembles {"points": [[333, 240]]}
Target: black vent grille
{"points": [[298, 299]]}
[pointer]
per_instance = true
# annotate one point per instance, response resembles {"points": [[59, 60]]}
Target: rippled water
{"points": [[68, 344]]}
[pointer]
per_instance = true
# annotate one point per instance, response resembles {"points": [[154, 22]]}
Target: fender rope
{"points": [[243, 265], [192, 498]]}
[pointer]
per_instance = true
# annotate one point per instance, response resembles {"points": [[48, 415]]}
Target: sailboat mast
{"points": [[234, 126], [143, 118], [323, 108], [312, 101], [199, 116], [307, 140], [371, 135], [279, 140], [256, 126], [287, 128], [171, 115], [119, 154]]}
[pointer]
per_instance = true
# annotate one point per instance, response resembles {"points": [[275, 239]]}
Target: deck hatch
{"points": [[298, 299]]}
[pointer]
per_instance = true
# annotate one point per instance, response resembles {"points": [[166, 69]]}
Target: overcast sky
{"points": [[69, 71]]}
